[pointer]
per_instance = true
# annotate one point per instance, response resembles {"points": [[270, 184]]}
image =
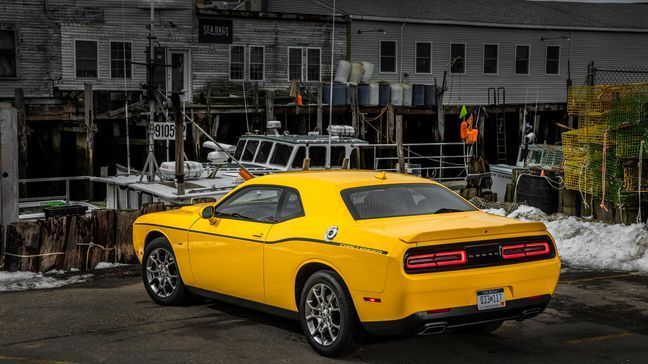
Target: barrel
{"points": [[396, 94], [343, 71], [430, 95], [340, 93], [368, 70], [356, 73], [364, 97], [536, 191], [407, 94], [374, 94], [384, 94], [418, 95]]}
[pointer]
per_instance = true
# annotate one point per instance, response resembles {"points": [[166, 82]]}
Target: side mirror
{"points": [[208, 212]]}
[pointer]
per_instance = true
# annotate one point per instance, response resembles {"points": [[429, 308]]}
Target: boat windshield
{"points": [[373, 202]]}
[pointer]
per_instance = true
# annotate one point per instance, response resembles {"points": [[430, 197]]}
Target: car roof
{"points": [[340, 179]]}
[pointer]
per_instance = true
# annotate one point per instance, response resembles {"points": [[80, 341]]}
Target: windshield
{"points": [[373, 202]]}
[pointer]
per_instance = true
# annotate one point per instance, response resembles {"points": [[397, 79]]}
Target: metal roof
{"points": [[304, 139]]}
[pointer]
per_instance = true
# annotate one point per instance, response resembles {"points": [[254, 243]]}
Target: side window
{"points": [[281, 155], [254, 203], [250, 150], [298, 162], [290, 207], [239, 149], [337, 156]]}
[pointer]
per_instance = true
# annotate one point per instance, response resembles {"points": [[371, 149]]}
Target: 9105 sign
{"points": [[166, 131]]}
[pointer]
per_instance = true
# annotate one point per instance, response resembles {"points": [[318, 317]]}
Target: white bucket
{"points": [[356, 73], [407, 94], [374, 94]]}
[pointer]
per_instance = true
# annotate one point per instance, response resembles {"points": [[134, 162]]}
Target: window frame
{"points": [[528, 60], [74, 42], [319, 79], [416, 72], [547, 59], [129, 64], [380, 57], [301, 63], [282, 196], [14, 30], [229, 68], [249, 63], [465, 58], [497, 58]]}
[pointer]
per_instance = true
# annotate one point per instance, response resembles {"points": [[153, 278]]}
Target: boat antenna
{"points": [[128, 156], [328, 150], [151, 163]]}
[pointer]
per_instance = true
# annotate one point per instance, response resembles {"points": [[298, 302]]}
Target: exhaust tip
{"points": [[529, 314], [433, 328]]}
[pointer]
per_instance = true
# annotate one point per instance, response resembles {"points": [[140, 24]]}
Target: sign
{"points": [[166, 131], [215, 31]]}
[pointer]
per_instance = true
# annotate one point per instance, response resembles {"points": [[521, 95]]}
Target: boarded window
{"points": [[86, 59], [120, 59], [423, 57], [294, 64], [313, 64], [522, 60], [8, 53], [553, 60], [237, 62], [458, 58], [257, 62], [490, 58], [387, 56]]}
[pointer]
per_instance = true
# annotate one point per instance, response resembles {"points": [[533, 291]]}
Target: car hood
{"points": [[447, 226]]}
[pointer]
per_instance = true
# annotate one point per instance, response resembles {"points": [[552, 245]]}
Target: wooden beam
{"points": [[354, 108], [320, 122], [399, 143], [390, 123], [21, 117], [88, 107]]}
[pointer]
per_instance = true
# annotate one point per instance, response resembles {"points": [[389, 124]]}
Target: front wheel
{"points": [[327, 315], [161, 275]]}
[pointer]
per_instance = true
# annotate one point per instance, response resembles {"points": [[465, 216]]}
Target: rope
{"points": [[33, 255], [92, 245], [641, 145], [602, 205]]}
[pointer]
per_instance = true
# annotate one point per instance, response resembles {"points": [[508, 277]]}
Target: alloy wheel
{"points": [[162, 272], [323, 314]]}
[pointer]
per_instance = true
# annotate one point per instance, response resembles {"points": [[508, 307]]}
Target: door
{"points": [[226, 252], [179, 74]]}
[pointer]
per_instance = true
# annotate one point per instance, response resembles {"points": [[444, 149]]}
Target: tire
{"points": [[325, 301], [159, 265], [485, 328]]}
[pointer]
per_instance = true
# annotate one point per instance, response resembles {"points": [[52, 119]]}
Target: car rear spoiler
{"points": [[465, 233]]}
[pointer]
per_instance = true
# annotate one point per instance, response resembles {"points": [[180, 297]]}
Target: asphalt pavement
{"points": [[594, 317]]}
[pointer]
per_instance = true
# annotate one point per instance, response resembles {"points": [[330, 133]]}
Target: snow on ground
{"points": [[22, 281], [106, 265], [591, 244]]}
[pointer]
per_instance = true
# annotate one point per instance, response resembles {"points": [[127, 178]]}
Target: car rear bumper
{"points": [[433, 323]]}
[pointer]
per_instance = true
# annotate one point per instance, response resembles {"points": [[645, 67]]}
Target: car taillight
{"points": [[517, 251], [432, 260]]}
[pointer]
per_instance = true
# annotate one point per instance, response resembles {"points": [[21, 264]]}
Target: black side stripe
{"points": [[333, 243]]}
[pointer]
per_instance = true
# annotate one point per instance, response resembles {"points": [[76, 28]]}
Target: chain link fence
{"points": [[615, 75]]}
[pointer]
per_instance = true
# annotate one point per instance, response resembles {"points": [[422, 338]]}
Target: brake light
{"points": [[433, 260], [517, 251]]}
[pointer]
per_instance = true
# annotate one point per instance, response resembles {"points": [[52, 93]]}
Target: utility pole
{"points": [[179, 143], [150, 166]]}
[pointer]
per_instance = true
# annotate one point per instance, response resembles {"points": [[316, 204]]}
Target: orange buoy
{"points": [[299, 100]]}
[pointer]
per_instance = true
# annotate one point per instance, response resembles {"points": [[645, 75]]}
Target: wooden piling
{"points": [[21, 116], [399, 143], [53, 238], [23, 239], [104, 235], [353, 89], [80, 233], [124, 219], [269, 100]]}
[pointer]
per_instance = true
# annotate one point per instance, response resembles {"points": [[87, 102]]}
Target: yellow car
{"points": [[344, 251]]}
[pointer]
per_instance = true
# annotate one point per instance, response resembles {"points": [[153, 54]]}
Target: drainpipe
{"points": [[400, 61], [348, 46]]}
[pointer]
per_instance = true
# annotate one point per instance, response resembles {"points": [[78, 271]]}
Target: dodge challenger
{"points": [[348, 252]]}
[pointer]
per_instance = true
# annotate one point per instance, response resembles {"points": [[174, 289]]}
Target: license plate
{"points": [[489, 299]]}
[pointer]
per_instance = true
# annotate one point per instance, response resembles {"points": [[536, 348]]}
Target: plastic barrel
{"points": [[430, 95], [396, 94], [368, 70], [407, 94], [340, 94], [537, 192], [364, 97], [418, 95], [384, 94], [374, 94], [356, 73], [343, 71]]}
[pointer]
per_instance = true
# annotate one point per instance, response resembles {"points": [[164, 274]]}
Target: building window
{"points": [[294, 64], [313, 63], [8, 53], [120, 59], [522, 60], [237, 63], [257, 62], [553, 60], [458, 58], [86, 58], [490, 59], [387, 56], [423, 57]]}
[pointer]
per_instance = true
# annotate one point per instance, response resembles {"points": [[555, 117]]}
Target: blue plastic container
{"points": [[384, 94], [340, 94], [430, 95], [363, 94], [418, 95]]}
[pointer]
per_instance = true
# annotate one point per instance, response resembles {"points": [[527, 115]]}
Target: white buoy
{"points": [[356, 73]]}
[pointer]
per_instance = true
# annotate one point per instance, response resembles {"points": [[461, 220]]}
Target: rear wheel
{"points": [[161, 275], [327, 315], [485, 328]]}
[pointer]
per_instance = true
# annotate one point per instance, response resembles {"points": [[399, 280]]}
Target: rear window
{"points": [[373, 202]]}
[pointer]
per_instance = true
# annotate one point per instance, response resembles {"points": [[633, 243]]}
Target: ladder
{"points": [[499, 99]]}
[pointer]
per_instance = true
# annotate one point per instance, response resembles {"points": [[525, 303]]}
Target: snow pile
{"points": [[22, 281], [499, 212], [592, 244], [106, 265]]}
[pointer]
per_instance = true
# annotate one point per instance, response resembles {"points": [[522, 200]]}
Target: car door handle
{"points": [[258, 235]]}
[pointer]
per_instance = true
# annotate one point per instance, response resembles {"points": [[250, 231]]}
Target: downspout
{"points": [[348, 45], [400, 61]]}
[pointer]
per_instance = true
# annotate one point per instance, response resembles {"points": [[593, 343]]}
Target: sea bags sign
{"points": [[215, 31]]}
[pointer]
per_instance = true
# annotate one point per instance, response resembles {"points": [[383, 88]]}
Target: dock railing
{"points": [[65, 180]]}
